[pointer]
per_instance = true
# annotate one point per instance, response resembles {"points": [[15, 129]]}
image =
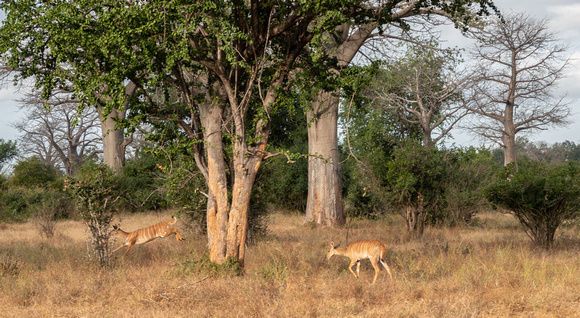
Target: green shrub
{"points": [[95, 191], [416, 181], [31, 173], [283, 184], [469, 170], [539, 195], [26, 192], [140, 181], [186, 189]]}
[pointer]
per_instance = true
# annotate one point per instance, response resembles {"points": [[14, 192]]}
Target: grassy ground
{"points": [[485, 271]]}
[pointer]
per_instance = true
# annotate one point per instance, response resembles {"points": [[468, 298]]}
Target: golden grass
{"points": [[487, 271]]}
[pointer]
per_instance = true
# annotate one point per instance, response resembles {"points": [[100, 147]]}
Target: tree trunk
{"points": [[325, 204], [415, 218], [245, 175], [114, 142], [227, 224], [509, 136], [218, 207]]}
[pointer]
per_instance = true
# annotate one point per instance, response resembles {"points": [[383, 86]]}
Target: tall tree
{"points": [[325, 204], [426, 88], [228, 61], [521, 63], [42, 40], [54, 131]]}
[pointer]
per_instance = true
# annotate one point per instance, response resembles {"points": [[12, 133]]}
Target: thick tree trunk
{"points": [[245, 175], [325, 205], [227, 224], [113, 142], [509, 136], [218, 207]]}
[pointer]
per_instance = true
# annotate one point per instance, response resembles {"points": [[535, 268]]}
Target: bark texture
{"points": [[325, 205]]}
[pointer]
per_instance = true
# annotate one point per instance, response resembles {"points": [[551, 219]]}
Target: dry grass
{"points": [[487, 271]]}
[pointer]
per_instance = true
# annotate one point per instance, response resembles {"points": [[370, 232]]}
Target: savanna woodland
{"points": [[270, 129]]}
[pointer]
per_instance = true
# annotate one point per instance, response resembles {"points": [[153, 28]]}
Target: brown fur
{"points": [[147, 234], [375, 251]]}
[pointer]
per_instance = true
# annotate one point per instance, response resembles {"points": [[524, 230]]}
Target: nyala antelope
{"points": [[147, 234], [373, 250]]}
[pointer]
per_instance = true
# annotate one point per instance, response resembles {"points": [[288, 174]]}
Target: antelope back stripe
{"points": [[366, 249]]}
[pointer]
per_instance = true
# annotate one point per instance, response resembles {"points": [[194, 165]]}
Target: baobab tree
{"points": [[521, 62], [325, 204], [238, 54], [56, 133], [426, 87]]}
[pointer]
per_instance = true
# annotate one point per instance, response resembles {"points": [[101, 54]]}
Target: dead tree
{"points": [[521, 62]]}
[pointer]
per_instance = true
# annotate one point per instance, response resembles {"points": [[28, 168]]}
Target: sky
{"points": [[563, 16]]}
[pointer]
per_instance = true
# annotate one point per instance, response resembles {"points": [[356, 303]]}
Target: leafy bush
{"points": [[20, 204], [416, 178], [469, 170], [140, 181], [26, 191], [283, 184], [95, 191], [14, 204], [32, 173], [362, 193], [539, 195], [187, 191]]}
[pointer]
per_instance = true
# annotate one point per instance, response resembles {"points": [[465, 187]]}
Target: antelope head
{"points": [[331, 251]]}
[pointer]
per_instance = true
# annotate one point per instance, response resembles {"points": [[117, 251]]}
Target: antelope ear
{"points": [[331, 244]]}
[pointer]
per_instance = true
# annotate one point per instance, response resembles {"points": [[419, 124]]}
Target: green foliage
{"points": [[444, 186], [539, 195], [282, 181], [18, 204], [572, 150], [33, 188], [140, 181], [8, 151], [186, 190], [469, 170], [15, 203], [371, 135], [95, 191], [361, 193], [415, 174], [31, 173]]}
